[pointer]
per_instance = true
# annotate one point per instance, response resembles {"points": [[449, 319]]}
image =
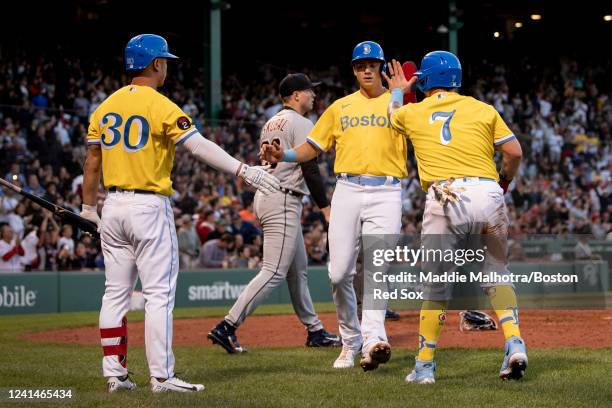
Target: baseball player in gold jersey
{"points": [[454, 139], [131, 140], [370, 161]]}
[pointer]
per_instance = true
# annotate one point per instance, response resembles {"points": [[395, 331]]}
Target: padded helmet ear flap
{"points": [[473, 320]]}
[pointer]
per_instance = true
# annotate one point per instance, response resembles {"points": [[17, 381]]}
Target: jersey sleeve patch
{"points": [[183, 123]]}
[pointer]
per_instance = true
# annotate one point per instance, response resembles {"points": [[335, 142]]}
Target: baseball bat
{"points": [[65, 214]]}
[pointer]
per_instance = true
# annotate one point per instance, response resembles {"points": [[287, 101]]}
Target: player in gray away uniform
{"points": [[284, 255]]}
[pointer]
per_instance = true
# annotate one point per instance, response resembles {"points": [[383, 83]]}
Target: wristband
{"points": [[289, 155], [397, 95]]}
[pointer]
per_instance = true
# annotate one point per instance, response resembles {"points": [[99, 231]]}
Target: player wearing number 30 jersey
{"points": [[131, 141], [134, 139]]}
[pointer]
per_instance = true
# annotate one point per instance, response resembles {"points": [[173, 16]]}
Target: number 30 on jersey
{"points": [[116, 131]]}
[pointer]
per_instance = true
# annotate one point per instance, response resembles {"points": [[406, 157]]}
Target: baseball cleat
{"points": [[174, 384], [377, 353], [391, 315], [224, 334], [124, 383], [423, 372], [346, 359], [515, 359], [321, 338]]}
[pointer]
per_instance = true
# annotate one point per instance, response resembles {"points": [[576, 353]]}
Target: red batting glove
{"points": [[504, 183], [409, 69]]}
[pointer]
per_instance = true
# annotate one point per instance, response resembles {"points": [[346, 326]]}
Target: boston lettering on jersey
{"points": [[356, 121]]}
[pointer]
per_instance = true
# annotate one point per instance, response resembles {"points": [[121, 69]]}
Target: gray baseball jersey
{"points": [[289, 129], [284, 253]]}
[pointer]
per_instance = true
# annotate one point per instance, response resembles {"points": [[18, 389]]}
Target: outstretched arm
{"points": [[398, 84], [211, 154], [273, 153]]}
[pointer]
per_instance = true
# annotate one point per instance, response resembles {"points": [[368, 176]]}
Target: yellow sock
{"points": [[503, 300], [433, 315]]}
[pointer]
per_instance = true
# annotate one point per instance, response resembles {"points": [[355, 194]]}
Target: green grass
{"points": [[298, 377]]}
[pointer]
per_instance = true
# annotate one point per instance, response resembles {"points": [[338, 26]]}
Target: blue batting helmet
{"points": [[141, 50], [439, 69], [369, 50]]}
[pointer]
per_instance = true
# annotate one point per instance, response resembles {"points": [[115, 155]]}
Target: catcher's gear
{"points": [[369, 50], [445, 192], [141, 50], [474, 320], [256, 176], [439, 69]]}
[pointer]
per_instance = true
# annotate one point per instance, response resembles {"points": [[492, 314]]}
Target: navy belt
{"points": [[369, 180], [120, 190]]}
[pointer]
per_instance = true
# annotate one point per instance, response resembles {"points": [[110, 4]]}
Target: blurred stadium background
{"points": [[532, 60], [544, 65]]}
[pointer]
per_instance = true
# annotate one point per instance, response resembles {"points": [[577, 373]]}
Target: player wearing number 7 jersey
{"points": [[131, 140], [454, 139]]}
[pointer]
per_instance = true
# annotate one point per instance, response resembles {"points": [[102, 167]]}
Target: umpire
{"points": [[284, 255]]}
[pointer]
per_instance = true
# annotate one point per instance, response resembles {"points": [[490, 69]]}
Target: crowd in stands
{"points": [[561, 113]]}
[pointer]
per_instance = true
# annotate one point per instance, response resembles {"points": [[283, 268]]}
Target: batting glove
{"points": [[257, 177], [445, 193], [90, 212]]}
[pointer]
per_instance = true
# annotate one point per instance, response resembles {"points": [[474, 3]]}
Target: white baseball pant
{"points": [[481, 212], [358, 210], [138, 239]]}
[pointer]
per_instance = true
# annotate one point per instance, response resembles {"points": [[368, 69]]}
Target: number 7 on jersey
{"points": [[445, 134]]}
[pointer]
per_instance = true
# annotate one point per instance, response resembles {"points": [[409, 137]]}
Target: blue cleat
{"points": [[423, 372], [515, 360]]}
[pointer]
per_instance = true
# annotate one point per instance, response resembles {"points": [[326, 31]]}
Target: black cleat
{"points": [[321, 338], [392, 315], [224, 334]]}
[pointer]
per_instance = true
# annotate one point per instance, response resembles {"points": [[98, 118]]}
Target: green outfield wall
{"points": [[53, 292]]}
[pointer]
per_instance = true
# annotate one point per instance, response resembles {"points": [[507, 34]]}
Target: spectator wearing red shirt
{"points": [[10, 250], [205, 225]]}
